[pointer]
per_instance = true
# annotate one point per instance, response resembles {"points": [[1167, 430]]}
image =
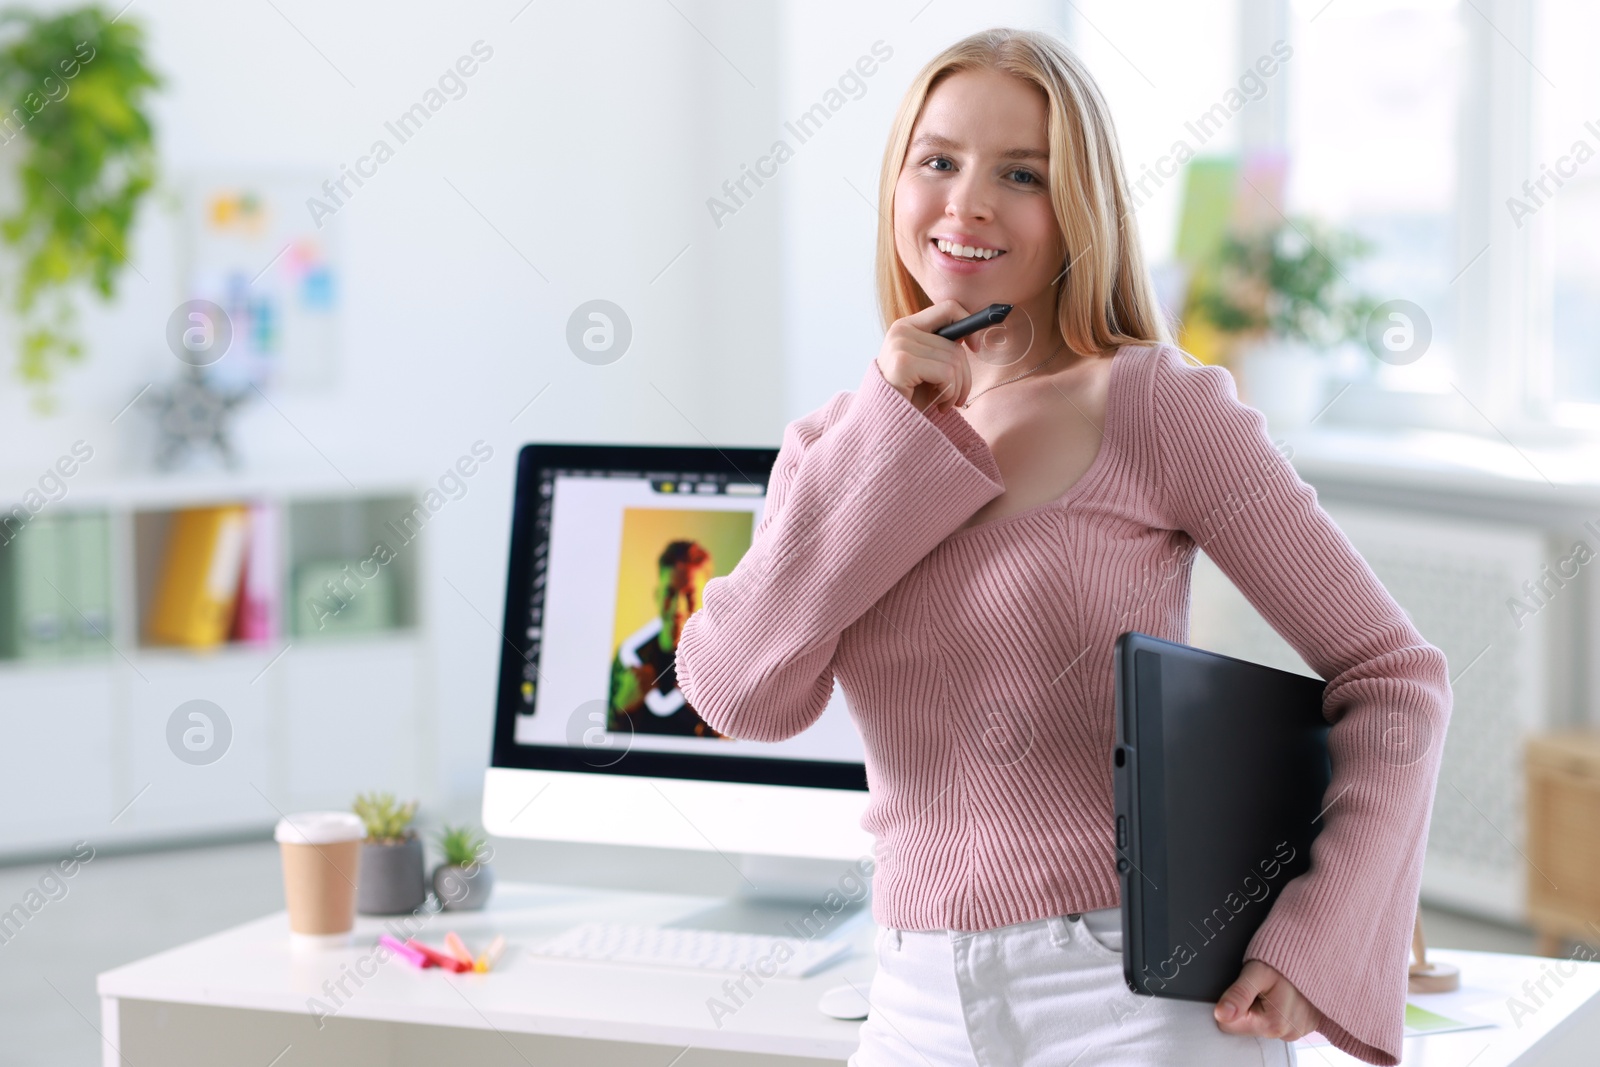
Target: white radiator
{"points": [[1453, 578]]}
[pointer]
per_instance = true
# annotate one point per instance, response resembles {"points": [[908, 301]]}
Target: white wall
{"points": [[590, 140]]}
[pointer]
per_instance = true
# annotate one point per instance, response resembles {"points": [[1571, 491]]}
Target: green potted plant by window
{"points": [[1282, 295], [464, 880], [391, 881], [72, 91]]}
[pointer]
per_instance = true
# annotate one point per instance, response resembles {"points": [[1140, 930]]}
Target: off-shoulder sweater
{"points": [[977, 661]]}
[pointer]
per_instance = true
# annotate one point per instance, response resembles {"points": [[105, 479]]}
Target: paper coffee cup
{"points": [[321, 863]]}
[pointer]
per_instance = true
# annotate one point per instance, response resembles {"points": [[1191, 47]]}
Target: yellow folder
{"points": [[199, 580]]}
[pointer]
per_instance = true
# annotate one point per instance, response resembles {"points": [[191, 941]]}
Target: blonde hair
{"points": [[1107, 299]]}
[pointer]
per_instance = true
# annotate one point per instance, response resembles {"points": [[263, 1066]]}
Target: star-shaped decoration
{"points": [[192, 414]]}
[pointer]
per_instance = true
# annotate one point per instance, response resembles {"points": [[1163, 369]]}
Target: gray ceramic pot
{"points": [[461, 888], [391, 881]]}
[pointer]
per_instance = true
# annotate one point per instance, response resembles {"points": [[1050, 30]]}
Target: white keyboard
{"points": [[699, 950]]}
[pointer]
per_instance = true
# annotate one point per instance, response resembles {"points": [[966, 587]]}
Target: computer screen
{"points": [[612, 548]]}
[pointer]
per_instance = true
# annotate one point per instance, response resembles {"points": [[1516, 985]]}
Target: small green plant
{"points": [[387, 822], [460, 845], [72, 89], [1289, 281]]}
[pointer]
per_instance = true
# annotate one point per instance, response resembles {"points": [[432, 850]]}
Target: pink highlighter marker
{"points": [[405, 952]]}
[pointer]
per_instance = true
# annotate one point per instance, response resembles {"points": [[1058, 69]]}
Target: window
{"points": [[1374, 100], [1558, 205]]}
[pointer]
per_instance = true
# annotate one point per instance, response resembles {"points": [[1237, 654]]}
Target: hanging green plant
{"points": [[73, 84]]}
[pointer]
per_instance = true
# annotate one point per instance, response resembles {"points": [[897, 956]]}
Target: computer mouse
{"points": [[843, 1002]]}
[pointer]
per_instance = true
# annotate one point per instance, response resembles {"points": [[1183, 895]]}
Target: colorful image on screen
{"points": [[667, 557]]}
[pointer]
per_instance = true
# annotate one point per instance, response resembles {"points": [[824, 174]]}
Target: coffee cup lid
{"points": [[319, 828]]}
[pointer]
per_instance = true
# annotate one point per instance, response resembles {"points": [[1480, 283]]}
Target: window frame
{"points": [[1575, 418]]}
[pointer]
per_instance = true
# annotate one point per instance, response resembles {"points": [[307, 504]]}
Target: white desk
{"points": [[242, 997], [1563, 1032]]}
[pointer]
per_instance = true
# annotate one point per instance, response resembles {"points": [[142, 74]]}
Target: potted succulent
{"points": [[464, 880], [1281, 294], [391, 881]]}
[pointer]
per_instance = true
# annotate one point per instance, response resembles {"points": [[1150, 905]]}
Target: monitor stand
{"points": [[783, 896]]}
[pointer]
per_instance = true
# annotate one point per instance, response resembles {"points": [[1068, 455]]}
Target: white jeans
{"points": [[1048, 992]]}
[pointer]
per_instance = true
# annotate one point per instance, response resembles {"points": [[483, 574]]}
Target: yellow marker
{"points": [[457, 948], [491, 955]]}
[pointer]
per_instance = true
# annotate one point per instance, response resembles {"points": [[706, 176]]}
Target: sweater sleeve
{"points": [[1340, 932], [862, 489]]}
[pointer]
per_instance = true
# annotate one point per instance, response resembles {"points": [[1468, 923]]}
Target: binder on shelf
{"points": [[86, 583], [199, 582], [257, 617], [32, 623], [9, 623]]}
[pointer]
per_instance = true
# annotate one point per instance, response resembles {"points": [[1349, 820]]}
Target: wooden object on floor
{"points": [[1563, 830], [1425, 976]]}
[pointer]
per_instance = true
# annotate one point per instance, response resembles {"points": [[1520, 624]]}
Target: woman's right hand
{"points": [[922, 366]]}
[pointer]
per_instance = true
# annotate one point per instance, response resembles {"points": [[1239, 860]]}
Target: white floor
{"points": [[120, 908]]}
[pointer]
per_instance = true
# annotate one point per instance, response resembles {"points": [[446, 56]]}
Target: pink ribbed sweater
{"points": [[977, 662]]}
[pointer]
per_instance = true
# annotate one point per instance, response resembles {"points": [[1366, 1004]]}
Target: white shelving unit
{"points": [[314, 718]]}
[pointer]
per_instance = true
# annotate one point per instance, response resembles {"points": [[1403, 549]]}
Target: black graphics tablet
{"points": [[1220, 771]]}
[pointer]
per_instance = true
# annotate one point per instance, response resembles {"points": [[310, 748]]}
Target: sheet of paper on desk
{"points": [[1419, 1021], [1422, 1021]]}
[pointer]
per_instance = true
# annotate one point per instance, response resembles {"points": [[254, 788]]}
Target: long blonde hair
{"points": [[1107, 299]]}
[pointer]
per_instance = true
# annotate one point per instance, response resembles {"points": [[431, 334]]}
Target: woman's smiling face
{"points": [[976, 174]]}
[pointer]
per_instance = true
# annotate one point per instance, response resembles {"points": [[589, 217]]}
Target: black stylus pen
{"points": [[993, 315]]}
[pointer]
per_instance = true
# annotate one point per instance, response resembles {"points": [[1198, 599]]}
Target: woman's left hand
{"points": [[1262, 1003]]}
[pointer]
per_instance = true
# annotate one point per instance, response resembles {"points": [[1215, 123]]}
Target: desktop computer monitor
{"points": [[611, 547]]}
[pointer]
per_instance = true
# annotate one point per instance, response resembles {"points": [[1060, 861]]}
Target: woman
{"points": [[961, 540]]}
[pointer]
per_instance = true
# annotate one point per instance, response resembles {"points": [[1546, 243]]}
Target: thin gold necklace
{"points": [[1018, 378]]}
